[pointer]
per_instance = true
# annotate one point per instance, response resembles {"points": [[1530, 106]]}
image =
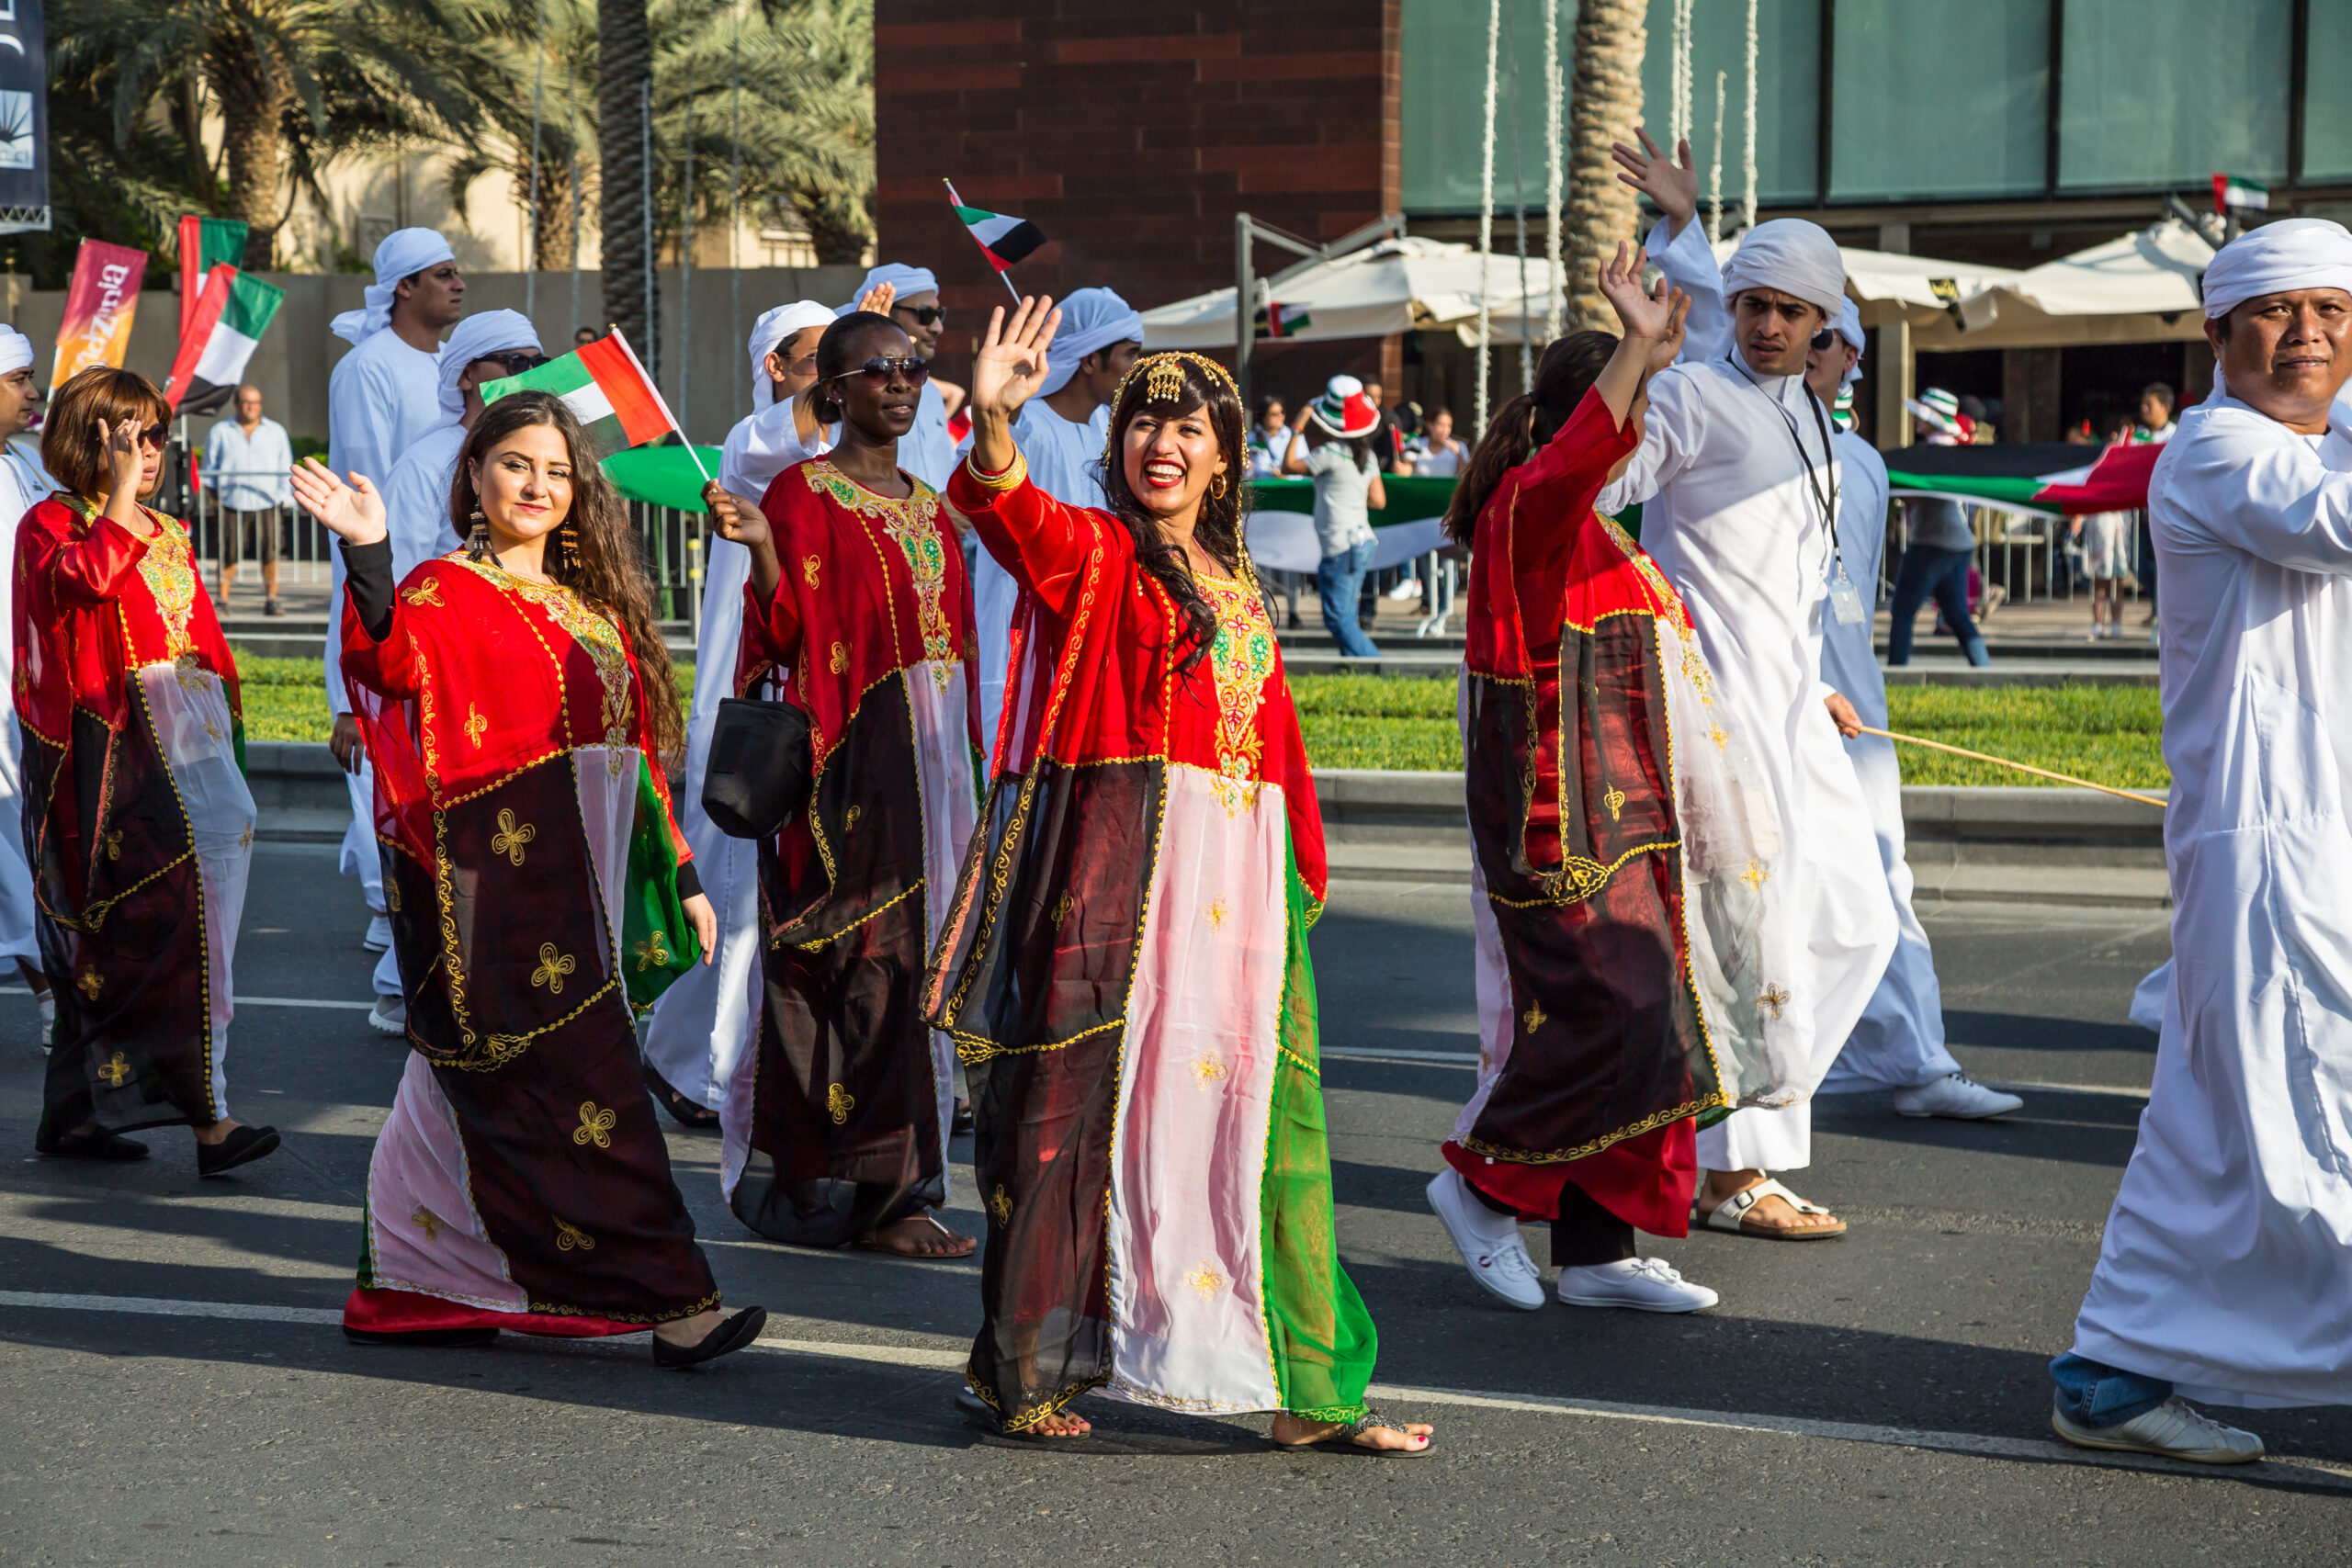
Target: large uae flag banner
{"points": [[231, 313]]}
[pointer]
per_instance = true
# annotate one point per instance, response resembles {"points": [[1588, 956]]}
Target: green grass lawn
{"points": [[2110, 734]]}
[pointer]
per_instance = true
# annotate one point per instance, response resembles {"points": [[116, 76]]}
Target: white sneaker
{"points": [[1489, 1243], [1408, 589], [388, 1016], [47, 1003], [1955, 1095], [380, 934], [1645, 1285], [2172, 1430]]}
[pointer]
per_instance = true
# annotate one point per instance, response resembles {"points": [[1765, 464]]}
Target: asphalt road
{"points": [[1880, 1398]]}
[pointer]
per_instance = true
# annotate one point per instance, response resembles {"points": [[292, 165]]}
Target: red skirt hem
{"points": [[1648, 1182], [375, 1310]]}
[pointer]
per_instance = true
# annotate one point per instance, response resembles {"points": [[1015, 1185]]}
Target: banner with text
{"points": [[24, 118], [99, 305]]}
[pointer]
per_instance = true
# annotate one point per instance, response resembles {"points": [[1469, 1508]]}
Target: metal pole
{"points": [[573, 325], [1486, 211], [735, 217], [1244, 286], [1555, 302], [652, 257], [531, 261], [687, 283], [1519, 219]]}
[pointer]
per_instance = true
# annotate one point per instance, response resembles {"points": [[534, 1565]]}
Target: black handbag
{"points": [[756, 780]]}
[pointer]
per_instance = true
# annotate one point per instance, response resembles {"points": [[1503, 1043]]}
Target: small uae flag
{"points": [[231, 313], [2231, 190], [606, 389], [1001, 239], [1278, 319]]}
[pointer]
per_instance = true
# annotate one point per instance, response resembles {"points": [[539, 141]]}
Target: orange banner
{"points": [[98, 309]]}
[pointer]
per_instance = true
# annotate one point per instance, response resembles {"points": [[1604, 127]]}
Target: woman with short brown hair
{"points": [[139, 826]]}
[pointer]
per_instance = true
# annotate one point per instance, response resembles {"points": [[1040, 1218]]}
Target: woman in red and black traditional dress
{"points": [[1615, 927], [836, 1121], [138, 824], [1126, 968], [516, 703]]}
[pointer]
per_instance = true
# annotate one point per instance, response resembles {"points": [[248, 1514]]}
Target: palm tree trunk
{"points": [[254, 93], [551, 242], [624, 76], [1605, 105]]}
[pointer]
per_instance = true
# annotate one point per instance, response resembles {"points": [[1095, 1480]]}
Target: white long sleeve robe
{"points": [[1730, 518], [699, 1028], [2227, 1262], [22, 483]]}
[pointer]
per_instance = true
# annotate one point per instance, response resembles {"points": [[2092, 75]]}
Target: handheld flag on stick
{"points": [[1001, 239], [232, 310], [205, 244], [605, 385], [2005, 762]]}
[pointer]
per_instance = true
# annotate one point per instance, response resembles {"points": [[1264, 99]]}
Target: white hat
{"points": [[404, 254], [1850, 327], [1093, 320], [1793, 257], [15, 350], [773, 329], [2293, 252], [905, 279], [493, 332]]}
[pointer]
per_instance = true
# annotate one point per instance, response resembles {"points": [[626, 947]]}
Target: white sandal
{"points": [[1730, 1214]]}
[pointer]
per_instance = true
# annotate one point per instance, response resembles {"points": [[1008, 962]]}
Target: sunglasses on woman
{"points": [[878, 370], [924, 315]]}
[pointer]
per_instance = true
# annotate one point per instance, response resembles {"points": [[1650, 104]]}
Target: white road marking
{"points": [[243, 1002], [930, 1358]]}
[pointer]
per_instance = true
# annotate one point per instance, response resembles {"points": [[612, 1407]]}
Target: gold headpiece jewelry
{"points": [[1163, 382]]}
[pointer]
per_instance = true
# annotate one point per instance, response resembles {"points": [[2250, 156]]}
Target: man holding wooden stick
{"points": [[2225, 1274]]}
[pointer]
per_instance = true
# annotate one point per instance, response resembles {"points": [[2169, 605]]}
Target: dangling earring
{"points": [[1217, 487], [478, 541], [567, 540]]}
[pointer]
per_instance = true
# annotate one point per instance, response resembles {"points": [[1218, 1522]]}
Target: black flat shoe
{"points": [[95, 1145], [421, 1335], [683, 1111], [240, 1147], [728, 1337]]}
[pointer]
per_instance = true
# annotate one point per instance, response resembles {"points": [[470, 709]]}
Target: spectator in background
{"points": [[2157, 403], [2106, 538], [246, 460], [584, 336], [1336, 449], [1270, 439], [1936, 562], [1386, 442], [1437, 455]]}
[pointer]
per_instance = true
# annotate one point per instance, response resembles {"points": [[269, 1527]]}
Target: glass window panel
{"points": [[2159, 93], [2327, 95], [1940, 101], [1788, 81], [1444, 111]]}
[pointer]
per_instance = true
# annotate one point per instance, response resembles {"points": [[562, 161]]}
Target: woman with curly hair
{"points": [[1125, 969], [138, 824], [517, 701]]}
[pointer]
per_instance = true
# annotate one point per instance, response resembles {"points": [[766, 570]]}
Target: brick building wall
{"points": [[1131, 135]]}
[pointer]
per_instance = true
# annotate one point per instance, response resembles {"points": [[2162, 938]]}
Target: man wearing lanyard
{"points": [[1739, 479]]}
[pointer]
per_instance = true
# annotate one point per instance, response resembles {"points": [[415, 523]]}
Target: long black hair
{"points": [[1219, 529], [833, 359], [1522, 426]]}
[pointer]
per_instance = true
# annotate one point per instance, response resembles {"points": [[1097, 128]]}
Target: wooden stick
{"points": [[2021, 767]]}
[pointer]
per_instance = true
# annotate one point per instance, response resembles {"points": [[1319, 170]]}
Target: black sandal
{"points": [[730, 1335], [983, 1415], [94, 1143], [1345, 1437], [685, 1112], [241, 1147]]}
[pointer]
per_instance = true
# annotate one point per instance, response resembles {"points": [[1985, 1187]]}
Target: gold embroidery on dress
{"points": [[839, 1102], [1773, 999], [596, 634], [1207, 1068], [1001, 1206], [810, 566], [90, 984], [913, 524], [116, 1072], [1716, 733], [553, 967], [1206, 1280], [1533, 1017], [169, 571], [428, 1221], [849, 821], [1063, 907], [568, 1235], [652, 953], [114, 844], [1754, 877], [1217, 914], [245, 839], [1615, 801], [475, 725], [838, 660], [511, 837], [189, 672], [595, 1126], [427, 593], [1241, 658]]}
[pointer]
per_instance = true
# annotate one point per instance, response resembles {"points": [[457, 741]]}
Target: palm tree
{"points": [[293, 81], [1605, 105]]}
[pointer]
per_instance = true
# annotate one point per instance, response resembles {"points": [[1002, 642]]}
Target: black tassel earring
{"points": [[478, 541], [567, 540]]}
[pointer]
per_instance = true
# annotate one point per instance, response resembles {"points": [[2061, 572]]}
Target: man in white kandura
{"points": [[1739, 480], [2225, 1274], [23, 481], [927, 451], [1899, 1042], [703, 1022], [484, 348], [382, 395], [1061, 434]]}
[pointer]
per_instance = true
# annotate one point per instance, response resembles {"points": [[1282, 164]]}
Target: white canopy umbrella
{"points": [[2138, 287], [1404, 285]]}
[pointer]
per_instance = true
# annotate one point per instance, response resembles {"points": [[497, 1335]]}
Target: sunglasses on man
{"points": [[924, 315], [878, 371], [514, 362]]}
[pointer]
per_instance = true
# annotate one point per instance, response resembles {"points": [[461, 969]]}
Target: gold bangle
{"points": [[1012, 477]]}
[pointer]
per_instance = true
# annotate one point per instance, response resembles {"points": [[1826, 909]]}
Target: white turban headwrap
{"points": [[1850, 327], [1793, 257], [771, 332], [493, 332], [15, 350], [905, 279], [2294, 252], [1093, 320], [403, 252]]}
